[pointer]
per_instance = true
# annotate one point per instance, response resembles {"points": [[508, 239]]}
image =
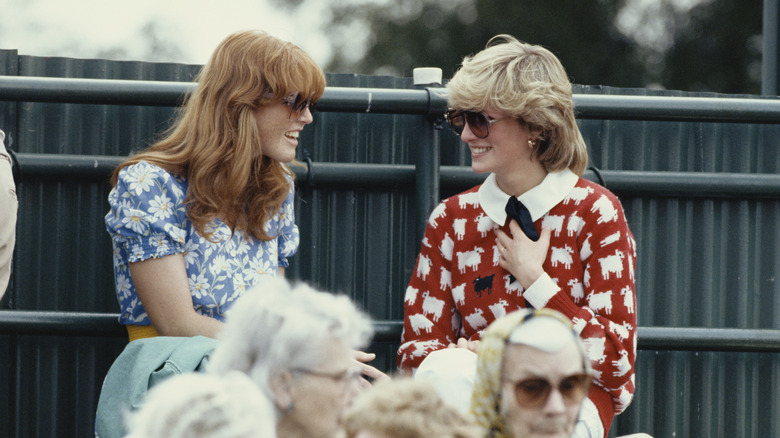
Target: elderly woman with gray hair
{"points": [[299, 346], [197, 405]]}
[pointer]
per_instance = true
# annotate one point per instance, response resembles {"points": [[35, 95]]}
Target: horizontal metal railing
{"points": [[401, 176], [395, 101], [428, 102], [20, 322]]}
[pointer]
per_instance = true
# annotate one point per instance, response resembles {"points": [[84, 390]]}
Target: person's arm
{"points": [[428, 306], [163, 288], [9, 205], [289, 236]]}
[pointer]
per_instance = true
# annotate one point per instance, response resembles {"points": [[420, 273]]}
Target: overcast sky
{"points": [[187, 31], [123, 29]]}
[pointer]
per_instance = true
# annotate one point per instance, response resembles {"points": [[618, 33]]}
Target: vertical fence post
{"points": [[770, 56], [428, 151]]}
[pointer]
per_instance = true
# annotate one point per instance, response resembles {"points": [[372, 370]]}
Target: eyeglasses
{"points": [[478, 122], [298, 105], [349, 375], [533, 392]]}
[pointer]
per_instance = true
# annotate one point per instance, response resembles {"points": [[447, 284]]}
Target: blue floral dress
{"points": [[148, 219]]}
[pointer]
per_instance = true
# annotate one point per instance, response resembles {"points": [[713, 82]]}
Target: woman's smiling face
{"points": [[279, 134], [502, 151]]}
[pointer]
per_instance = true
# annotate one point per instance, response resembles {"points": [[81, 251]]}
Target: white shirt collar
{"points": [[539, 200]]}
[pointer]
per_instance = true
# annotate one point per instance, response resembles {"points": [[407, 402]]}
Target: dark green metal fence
{"points": [[697, 174]]}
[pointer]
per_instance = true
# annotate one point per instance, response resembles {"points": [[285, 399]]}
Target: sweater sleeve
{"points": [[605, 317], [429, 307]]}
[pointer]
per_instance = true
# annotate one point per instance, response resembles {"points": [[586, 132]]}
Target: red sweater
{"points": [[458, 287]]}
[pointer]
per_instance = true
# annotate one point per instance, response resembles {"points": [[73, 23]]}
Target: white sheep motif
{"points": [[606, 210], [424, 267], [459, 294], [484, 224], [469, 259], [578, 194], [433, 306], [562, 255], [612, 264], [499, 308], [601, 301], [574, 225], [628, 299], [586, 277], [410, 297], [445, 278], [422, 348], [554, 223], [471, 198], [624, 399], [512, 286], [447, 246], [459, 226], [577, 290], [476, 320], [595, 348], [612, 238], [623, 365], [586, 251], [439, 212], [420, 322], [622, 331], [578, 324]]}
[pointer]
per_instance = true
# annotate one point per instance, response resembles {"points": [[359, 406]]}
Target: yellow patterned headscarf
{"points": [[486, 409]]}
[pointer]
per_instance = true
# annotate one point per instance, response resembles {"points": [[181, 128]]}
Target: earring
{"points": [[531, 143]]}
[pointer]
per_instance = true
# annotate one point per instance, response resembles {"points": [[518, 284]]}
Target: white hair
{"points": [[275, 327], [197, 405], [549, 334]]}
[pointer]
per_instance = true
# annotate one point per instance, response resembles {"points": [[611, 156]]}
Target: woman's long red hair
{"points": [[214, 142]]}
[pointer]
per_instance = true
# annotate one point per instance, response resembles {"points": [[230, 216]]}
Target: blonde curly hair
{"points": [[529, 83]]}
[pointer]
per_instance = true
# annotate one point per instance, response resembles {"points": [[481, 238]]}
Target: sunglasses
{"points": [[533, 393], [298, 105], [478, 122]]}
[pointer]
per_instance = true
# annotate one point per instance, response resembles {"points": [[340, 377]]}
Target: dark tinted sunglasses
{"points": [[298, 105], [532, 393], [478, 122]]}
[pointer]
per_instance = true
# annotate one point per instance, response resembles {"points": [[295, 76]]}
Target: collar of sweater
{"points": [[539, 200]]}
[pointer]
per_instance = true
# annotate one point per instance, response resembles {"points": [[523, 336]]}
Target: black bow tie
{"points": [[517, 211]]}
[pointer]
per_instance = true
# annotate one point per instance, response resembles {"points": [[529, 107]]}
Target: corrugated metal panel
{"points": [[62, 259], [702, 262]]}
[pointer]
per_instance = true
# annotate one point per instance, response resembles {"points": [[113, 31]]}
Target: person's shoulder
{"points": [[589, 192], [145, 170], [469, 197]]}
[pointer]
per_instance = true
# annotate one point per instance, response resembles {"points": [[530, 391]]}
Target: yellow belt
{"points": [[140, 332]]}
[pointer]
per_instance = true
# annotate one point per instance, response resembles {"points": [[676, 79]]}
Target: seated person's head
{"points": [[204, 406], [532, 376], [297, 344], [404, 408]]}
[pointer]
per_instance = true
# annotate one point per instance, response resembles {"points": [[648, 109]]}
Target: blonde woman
{"points": [[535, 234]]}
